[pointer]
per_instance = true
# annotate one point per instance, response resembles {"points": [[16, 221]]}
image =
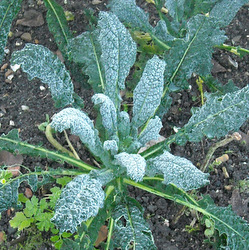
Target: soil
{"points": [[20, 92]]}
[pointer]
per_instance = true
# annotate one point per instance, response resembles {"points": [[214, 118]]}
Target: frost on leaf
{"points": [[128, 12], [39, 62], [107, 111], [148, 92], [80, 200], [112, 146], [193, 53], [151, 132], [80, 125], [177, 170], [118, 54], [218, 116], [124, 125], [130, 228], [134, 163]]}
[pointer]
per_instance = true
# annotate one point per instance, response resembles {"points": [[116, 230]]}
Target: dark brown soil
{"points": [[20, 91]]}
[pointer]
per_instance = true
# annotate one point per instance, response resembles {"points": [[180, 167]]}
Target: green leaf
{"points": [[151, 131], [85, 49], [56, 193], [44, 221], [130, 229], [12, 143], [124, 125], [193, 54], [37, 61], [57, 24], [63, 180], [133, 163], [227, 112], [227, 222], [8, 11], [80, 125], [118, 54], [80, 200], [148, 92], [20, 221], [31, 207], [177, 170], [225, 10], [108, 113]]}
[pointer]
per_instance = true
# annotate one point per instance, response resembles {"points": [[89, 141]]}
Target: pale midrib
{"points": [[5, 15], [60, 24]]}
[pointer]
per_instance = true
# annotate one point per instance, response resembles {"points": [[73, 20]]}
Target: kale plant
{"points": [[99, 195]]}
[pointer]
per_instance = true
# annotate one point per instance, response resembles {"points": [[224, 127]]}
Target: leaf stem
{"points": [[55, 143], [236, 50], [71, 146], [110, 230]]}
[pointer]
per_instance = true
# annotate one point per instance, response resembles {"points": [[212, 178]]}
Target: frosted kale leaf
{"points": [[148, 92], [118, 54], [130, 228], [107, 111], [85, 49], [111, 145], [124, 125], [134, 163], [218, 116], [193, 54], [39, 62], [177, 170], [227, 222], [151, 132], [128, 12], [8, 11], [80, 199], [224, 11], [80, 125]]}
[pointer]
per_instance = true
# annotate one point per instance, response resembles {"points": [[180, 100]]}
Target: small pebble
{"points": [[10, 77], [18, 43], [28, 193], [42, 88], [25, 108], [8, 81], [12, 123], [26, 37], [4, 67], [6, 51], [15, 67]]}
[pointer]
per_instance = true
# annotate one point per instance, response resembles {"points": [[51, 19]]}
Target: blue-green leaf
{"points": [[130, 228], [8, 11], [118, 54], [39, 62], [177, 170], [224, 11], [111, 145], [85, 49], [80, 199], [218, 116], [148, 92], [80, 125], [134, 163], [107, 111], [124, 125], [151, 132]]}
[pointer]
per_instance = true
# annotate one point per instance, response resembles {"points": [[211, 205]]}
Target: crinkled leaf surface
{"points": [[151, 132], [39, 62], [129, 13], [224, 11], [8, 11], [80, 125], [111, 145], [107, 111], [80, 199], [123, 125], [218, 116], [134, 163], [148, 92], [177, 170], [131, 229], [57, 24], [85, 49], [193, 54], [227, 222], [118, 54]]}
